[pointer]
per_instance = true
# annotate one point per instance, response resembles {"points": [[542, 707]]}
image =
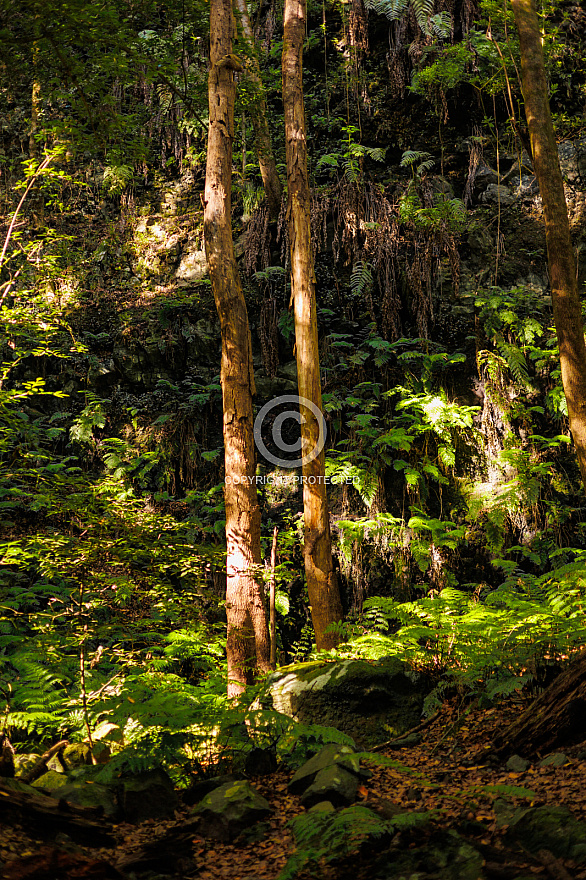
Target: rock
{"points": [[109, 731], [77, 755], [527, 187], [230, 809], [24, 763], [485, 176], [334, 784], [51, 780], [370, 702], [447, 856], [91, 794], [557, 759], [332, 754], [572, 156], [323, 807], [495, 194], [193, 265], [552, 828], [56, 763], [17, 785], [196, 792], [517, 764], [147, 795]]}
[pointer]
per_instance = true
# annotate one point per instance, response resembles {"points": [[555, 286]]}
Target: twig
{"points": [[44, 164], [416, 729]]}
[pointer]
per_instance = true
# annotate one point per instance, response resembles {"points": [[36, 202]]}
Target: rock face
{"points": [[230, 809], [368, 701]]}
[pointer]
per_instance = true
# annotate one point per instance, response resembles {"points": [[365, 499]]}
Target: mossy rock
{"points": [[91, 794], [446, 857], [17, 785], [552, 828], [368, 701], [51, 781], [77, 755], [230, 809], [331, 754]]}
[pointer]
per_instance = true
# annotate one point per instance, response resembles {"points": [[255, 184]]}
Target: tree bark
{"points": [[562, 269], [247, 636], [262, 136], [556, 718], [324, 596]]}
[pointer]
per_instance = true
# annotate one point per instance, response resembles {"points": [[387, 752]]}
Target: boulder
{"points": [[230, 809], [495, 194], [552, 828], [331, 755], [447, 856], [199, 789], [17, 785], [109, 731], [147, 795], [557, 759], [334, 784], [51, 781], [517, 764], [90, 794], [370, 702], [77, 755]]}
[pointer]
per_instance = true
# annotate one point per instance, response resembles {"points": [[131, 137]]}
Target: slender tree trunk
{"points": [[272, 600], [248, 638], [264, 148], [35, 96], [324, 596], [562, 268]]}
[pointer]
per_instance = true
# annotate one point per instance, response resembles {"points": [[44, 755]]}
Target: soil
{"points": [[442, 774]]}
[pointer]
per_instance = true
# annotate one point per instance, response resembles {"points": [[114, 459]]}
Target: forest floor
{"points": [[442, 774]]}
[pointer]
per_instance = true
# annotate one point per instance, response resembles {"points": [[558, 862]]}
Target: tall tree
{"points": [[567, 310], [262, 136], [248, 638], [322, 585]]}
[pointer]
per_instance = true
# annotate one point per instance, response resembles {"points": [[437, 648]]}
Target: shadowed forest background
{"points": [[457, 510]]}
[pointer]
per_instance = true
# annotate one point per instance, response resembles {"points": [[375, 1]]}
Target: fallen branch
{"points": [[40, 767], [396, 743]]}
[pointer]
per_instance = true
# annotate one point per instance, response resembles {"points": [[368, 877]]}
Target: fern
{"points": [[395, 9], [361, 278], [515, 359]]}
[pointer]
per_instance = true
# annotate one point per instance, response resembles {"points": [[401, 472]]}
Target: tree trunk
{"points": [[324, 596], [247, 638], [556, 718], [264, 148], [562, 269]]}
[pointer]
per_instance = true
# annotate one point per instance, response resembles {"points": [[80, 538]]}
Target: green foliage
{"points": [[327, 837], [438, 25]]}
